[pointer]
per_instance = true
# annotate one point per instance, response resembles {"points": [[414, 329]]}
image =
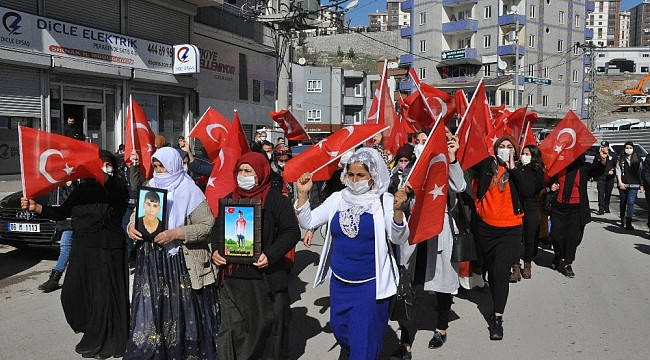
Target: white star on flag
{"points": [[211, 181], [437, 190], [558, 149], [149, 148], [494, 139], [68, 169]]}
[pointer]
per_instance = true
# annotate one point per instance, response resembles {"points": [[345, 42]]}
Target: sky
{"points": [[359, 15]]}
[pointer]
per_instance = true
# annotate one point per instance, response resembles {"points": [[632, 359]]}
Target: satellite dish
{"points": [[302, 61], [392, 65], [352, 4], [502, 65]]}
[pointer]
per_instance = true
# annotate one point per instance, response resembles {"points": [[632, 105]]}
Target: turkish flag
{"points": [[429, 180], [292, 128], [222, 179], [211, 130], [382, 109], [473, 130], [461, 103], [397, 136], [319, 159], [48, 161], [508, 123], [415, 112], [570, 139], [139, 137], [437, 103], [528, 137]]}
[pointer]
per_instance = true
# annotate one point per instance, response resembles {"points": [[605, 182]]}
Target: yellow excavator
{"points": [[638, 90]]}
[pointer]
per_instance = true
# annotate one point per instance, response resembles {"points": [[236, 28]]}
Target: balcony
{"points": [[353, 101], [584, 114], [406, 32], [586, 87], [510, 50], [407, 5], [590, 6], [455, 3], [459, 27], [586, 61], [511, 19], [589, 34], [405, 86], [406, 60]]}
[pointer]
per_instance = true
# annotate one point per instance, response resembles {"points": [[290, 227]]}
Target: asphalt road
{"points": [[603, 313]]}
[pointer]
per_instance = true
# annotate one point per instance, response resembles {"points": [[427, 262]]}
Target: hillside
{"points": [[609, 91]]}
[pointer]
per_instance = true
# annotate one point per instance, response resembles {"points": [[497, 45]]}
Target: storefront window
{"points": [[55, 109], [109, 106], [171, 114]]}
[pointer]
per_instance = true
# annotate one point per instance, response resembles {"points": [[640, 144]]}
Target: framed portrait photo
{"points": [[150, 212], [241, 230]]}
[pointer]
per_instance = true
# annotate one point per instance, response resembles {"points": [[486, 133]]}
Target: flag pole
{"points": [[201, 118], [338, 156], [468, 107], [129, 110], [22, 158], [416, 82]]}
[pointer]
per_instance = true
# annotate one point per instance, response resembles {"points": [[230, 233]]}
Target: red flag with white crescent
{"points": [[318, 158], [139, 137], [429, 180], [570, 139], [473, 130], [222, 180], [292, 128], [211, 130], [48, 161]]}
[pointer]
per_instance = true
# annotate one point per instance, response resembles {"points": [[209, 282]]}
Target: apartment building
{"points": [[640, 24], [605, 23]]}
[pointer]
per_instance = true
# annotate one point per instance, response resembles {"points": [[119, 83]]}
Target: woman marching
{"points": [[174, 308], [95, 295], [254, 299], [360, 223], [629, 182]]}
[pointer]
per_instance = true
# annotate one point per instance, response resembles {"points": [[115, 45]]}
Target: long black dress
{"points": [[95, 295]]}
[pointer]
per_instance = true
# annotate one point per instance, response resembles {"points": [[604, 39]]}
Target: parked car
{"points": [[22, 229], [591, 153]]}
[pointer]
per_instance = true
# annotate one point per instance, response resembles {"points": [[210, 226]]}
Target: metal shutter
{"points": [[30, 6], [156, 23], [20, 93], [97, 14]]}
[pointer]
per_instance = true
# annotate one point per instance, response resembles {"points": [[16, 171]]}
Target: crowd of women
{"points": [[190, 302]]}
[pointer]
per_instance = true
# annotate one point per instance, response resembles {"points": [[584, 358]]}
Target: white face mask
{"points": [[525, 159], [359, 187], [629, 151], [262, 138], [162, 175], [107, 170], [269, 155], [418, 150], [185, 168], [504, 154], [246, 182]]}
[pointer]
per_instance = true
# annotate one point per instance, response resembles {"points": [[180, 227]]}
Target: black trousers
{"points": [[500, 249], [604, 187], [424, 304], [531, 232], [566, 232]]}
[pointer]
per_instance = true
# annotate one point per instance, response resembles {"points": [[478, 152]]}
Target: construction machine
{"points": [[638, 90]]}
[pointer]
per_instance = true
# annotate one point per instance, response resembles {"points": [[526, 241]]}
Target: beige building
{"points": [[605, 22]]}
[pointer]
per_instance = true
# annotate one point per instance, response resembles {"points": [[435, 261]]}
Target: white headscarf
{"points": [[183, 196], [371, 200]]}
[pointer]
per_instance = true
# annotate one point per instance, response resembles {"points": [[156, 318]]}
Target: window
{"points": [[486, 70], [545, 101], [531, 12], [423, 45], [358, 90], [603, 55], [576, 21], [574, 104], [561, 17], [505, 97], [576, 49], [560, 77], [531, 98], [644, 55], [423, 18], [546, 72], [531, 70], [531, 41], [313, 115], [487, 41], [487, 12], [644, 69], [558, 106], [314, 85], [423, 73], [560, 45]]}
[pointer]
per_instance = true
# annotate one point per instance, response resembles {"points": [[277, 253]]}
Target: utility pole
{"points": [[516, 62], [590, 49]]}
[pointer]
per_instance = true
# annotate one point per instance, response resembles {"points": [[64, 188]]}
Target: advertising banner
{"points": [[29, 32]]}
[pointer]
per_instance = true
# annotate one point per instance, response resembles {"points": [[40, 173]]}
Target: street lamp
{"points": [[516, 77]]}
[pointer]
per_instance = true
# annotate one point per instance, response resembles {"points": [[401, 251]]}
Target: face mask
{"points": [[525, 159], [269, 155], [158, 175], [629, 151], [246, 182], [401, 166], [357, 188], [262, 138], [108, 170], [281, 165], [418, 150], [504, 154], [185, 168]]}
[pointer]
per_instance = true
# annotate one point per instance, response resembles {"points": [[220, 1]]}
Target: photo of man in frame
{"points": [[150, 213], [239, 222]]}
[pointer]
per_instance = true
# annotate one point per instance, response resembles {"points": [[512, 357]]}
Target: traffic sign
{"points": [[539, 81]]}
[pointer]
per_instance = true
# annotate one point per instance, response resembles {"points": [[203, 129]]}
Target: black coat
{"points": [[484, 171], [645, 172], [587, 171], [280, 233]]}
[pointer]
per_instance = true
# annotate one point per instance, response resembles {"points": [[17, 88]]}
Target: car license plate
{"points": [[23, 227]]}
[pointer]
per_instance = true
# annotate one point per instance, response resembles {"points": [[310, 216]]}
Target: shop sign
{"points": [[186, 59], [453, 54], [29, 32]]}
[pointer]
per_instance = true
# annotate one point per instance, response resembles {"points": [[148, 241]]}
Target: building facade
{"points": [[65, 58], [454, 43], [624, 29], [622, 60], [605, 23], [640, 24]]}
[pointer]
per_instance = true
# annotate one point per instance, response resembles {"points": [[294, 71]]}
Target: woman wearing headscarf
{"points": [[95, 295], [629, 182], [174, 307], [254, 300], [498, 185], [362, 218]]}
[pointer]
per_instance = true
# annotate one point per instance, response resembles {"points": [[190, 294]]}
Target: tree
{"points": [[339, 52], [351, 54]]}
